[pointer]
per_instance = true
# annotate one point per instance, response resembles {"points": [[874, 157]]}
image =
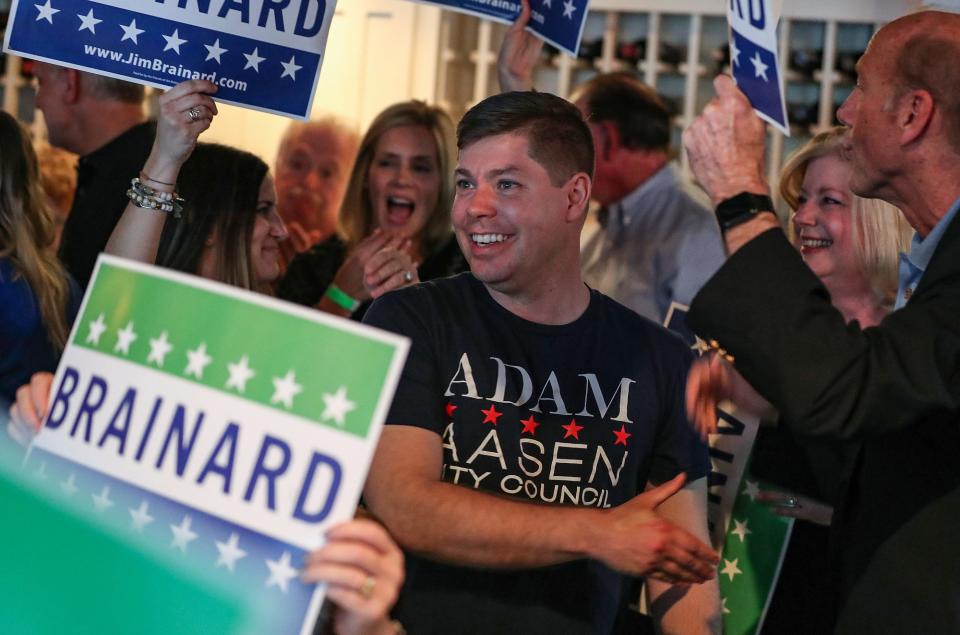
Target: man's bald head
{"points": [[922, 49]]}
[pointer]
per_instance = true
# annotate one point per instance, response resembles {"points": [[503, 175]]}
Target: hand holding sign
{"points": [[518, 54], [186, 110], [725, 145], [28, 411], [363, 569]]}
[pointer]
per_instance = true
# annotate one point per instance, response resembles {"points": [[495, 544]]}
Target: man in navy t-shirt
{"points": [[537, 446]]}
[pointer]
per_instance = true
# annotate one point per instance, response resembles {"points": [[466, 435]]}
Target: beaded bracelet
{"points": [[146, 197], [339, 297]]}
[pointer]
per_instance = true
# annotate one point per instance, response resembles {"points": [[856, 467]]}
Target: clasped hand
{"points": [[380, 263]]}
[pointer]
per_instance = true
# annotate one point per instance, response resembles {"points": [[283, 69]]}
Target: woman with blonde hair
{"points": [[852, 244], [393, 228], [38, 300], [851, 241]]}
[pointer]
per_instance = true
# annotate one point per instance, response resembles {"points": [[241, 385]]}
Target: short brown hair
{"points": [[640, 115], [558, 138], [111, 89]]}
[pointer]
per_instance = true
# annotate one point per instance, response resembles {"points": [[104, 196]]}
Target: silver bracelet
{"points": [[145, 197]]}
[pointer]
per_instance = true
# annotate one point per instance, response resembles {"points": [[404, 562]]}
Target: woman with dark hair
{"points": [[228, 228], [38, 301], [229, 231], [393, 228]]}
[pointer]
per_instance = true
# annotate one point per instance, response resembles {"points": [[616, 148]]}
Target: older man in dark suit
{"points": [[896, 387]]}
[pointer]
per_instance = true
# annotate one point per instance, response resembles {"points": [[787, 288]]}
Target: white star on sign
{"points": [[281, 572], [723, 606], [139, 517], [740, 530], [751, 489], [734, 53], [336, 406], [173, 41], [230, 552], [290, 68], [240, 374], [125, 338], [214, 51], [97, 327], [69, 486], [159, 347], [102, 500], [285, 389], [46, 12], [253, 60], [130, 32], [89, 22], [198, 361], [548, 3], [730, 568], [568, 9], [182, 534], [759, 68]]}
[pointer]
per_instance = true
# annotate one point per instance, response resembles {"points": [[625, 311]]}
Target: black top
{"points": [[581, 414], [311, 272], [103, 177], [896, 387]]}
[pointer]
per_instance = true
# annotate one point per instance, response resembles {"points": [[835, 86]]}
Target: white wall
{"points": [[379, 52]]}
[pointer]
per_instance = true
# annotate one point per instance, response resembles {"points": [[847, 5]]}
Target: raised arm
{"points": [[725, 146], [455, 524], [773, 316], [518, 54], [186, 110]]}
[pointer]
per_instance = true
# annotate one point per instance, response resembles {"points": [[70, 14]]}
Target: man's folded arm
{"points": [[460, 525]]}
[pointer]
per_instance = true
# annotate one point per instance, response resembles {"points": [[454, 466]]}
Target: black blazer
{"points": [[895, 387]]}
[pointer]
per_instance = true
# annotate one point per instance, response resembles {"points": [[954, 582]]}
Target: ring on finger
{"points": [[791, 502], [366, 589], [194, 114], [408, 276]]}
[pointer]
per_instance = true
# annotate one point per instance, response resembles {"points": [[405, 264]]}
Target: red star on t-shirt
{"points": [[573, 430], [491, 415], [450, 409], [529, 425], [622, 436]]}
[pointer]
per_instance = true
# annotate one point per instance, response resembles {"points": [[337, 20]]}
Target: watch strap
{"points": [[741, 208]]}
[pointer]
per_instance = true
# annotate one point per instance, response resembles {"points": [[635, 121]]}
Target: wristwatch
{"points": [[741, 208]]}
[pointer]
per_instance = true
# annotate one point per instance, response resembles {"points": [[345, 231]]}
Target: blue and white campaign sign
{"points": [[262, 54], [754, 60], [218, 425], [559, 22]]}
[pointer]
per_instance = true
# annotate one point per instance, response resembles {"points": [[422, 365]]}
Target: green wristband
{"points": [[341, 299]]}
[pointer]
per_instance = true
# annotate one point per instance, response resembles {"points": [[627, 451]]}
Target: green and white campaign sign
{"points": [[229, 428], [753, 552]]}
